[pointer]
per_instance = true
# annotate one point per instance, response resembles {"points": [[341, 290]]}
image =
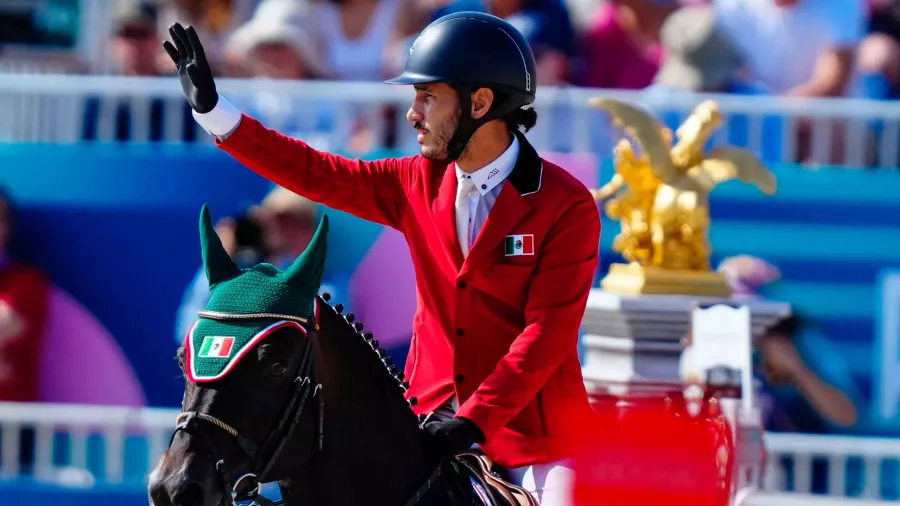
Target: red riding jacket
{"points": [[498, 331]]}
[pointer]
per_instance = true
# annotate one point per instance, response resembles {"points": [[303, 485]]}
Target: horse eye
{"points": [[277, 369]]}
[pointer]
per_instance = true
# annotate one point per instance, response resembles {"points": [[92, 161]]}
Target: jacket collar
{"points": [[529, 169], [488, 177]]}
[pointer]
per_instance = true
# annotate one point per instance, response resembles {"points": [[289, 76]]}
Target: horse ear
{"points": [[219, 266], [306, 272]]}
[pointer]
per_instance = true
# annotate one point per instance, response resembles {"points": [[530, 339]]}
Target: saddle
{"points": [[485, 478], [470, 479]]}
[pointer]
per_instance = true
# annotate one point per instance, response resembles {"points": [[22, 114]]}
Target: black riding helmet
{"points": [[471, 50]]}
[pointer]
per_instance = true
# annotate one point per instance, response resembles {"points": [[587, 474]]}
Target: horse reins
{"points": [[247, 486]]}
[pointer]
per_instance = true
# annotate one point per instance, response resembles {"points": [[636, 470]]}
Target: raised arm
{"points": [[372, 190]]}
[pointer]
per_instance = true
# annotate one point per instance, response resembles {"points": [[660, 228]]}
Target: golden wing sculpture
{"points": [[646, 130], [664, 210], [727, 163], [609, 189]]}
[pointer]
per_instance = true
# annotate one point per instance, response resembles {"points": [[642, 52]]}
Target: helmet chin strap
{"points": [[467, 125]]}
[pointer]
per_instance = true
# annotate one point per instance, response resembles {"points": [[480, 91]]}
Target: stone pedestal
{"points": [[633, 349], [636, 339]]}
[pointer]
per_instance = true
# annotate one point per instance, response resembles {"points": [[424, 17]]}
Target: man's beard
{"points": [[438, 145]]}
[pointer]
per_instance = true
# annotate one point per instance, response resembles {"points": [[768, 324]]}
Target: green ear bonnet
{"points": [[268, 297]]}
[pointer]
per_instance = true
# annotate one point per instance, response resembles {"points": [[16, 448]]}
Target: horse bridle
{"points": [[246, 487]]}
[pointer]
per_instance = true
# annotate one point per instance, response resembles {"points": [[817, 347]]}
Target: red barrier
{"points": [[646, 452]]}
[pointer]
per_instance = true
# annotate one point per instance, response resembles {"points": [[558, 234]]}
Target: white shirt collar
{"points": [[488, 177]]}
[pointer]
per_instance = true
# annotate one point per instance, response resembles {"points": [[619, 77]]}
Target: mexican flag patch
{"points": [[216, 347], [518, 245]]}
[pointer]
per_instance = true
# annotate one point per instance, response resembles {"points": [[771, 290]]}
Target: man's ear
{"points": [[482, 99]]}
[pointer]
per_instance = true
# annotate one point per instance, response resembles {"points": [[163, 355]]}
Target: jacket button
{"points": [[459, 378], [459, 332], [461, 284]]}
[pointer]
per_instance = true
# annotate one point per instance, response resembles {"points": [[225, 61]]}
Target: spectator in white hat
{"points": [[289, 221], [214, 20], [280, 42], [135, 41], [699, 57]]}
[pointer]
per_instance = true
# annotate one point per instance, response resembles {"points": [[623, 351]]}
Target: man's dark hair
{"points": [[521, 119]]}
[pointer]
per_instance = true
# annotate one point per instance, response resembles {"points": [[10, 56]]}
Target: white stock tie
{"points": [[463, 217]]}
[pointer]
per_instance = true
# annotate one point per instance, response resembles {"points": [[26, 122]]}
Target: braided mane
{"points": [[384, 362]]}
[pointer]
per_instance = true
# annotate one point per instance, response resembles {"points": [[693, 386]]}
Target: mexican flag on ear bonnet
{"points": [[215, 346]]}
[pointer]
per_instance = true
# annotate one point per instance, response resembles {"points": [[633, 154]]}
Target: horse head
{"points": [[259, 364]]}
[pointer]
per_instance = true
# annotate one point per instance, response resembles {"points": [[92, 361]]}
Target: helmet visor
{"points": [[413, 78]]}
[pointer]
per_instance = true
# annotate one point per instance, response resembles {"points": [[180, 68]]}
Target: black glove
{"points": [[193, 70], [449, 437]]}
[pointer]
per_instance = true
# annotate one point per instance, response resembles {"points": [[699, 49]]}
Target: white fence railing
{"points": [[849, 466], [82, 445], [849, 132], [131, 440], [786, 499]]}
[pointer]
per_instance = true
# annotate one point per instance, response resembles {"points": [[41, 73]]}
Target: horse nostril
{"points": [[188, 494], [158, 495]]}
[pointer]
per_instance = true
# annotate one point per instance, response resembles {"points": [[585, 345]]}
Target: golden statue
{"points": [[633, 206], [664, 208]]}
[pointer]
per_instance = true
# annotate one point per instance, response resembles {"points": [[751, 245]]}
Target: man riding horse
{"points": [[504, 244]]}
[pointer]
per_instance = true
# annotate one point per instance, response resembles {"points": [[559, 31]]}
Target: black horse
{"points": [[280, 386]]}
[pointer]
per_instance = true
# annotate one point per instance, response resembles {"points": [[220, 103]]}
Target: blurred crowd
{"points": [[809, 48], [790, 48]]}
